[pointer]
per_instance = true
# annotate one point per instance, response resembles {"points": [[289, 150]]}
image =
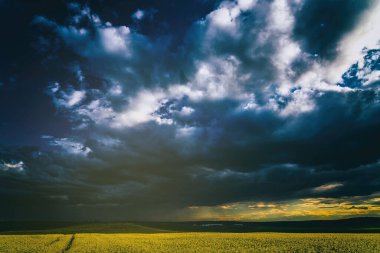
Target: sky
{"points": [[251, 110]]}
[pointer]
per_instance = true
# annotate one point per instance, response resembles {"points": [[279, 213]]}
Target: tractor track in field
{"points": [[69, 244], [54, 241]]}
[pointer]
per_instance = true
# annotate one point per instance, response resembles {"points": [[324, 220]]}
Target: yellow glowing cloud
{"points": [[301, 209], [327, 187]]}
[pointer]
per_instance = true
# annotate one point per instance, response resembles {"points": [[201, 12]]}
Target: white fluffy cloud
{"points": [[245, 5], [138, 15], [266, 45], [69, 145], [67, 98], [115, 40], [140, 109], [12, 166]]}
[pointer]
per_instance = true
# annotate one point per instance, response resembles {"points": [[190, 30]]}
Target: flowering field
{"points": [[192, 242]]}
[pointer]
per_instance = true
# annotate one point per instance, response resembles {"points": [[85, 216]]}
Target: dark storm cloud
{"points": [[134, 176], [321, 25], [223, 111]]}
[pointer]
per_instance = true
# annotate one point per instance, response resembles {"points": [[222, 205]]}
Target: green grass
{"points": [[192, 242]]}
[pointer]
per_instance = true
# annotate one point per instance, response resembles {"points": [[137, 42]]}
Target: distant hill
{"points": [[357, 225], [353, 225], [75, 227]]}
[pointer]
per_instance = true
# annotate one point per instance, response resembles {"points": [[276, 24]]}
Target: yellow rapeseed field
{"points": [[192, 242], [33, 243]]}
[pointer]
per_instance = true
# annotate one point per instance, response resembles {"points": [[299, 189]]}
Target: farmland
{"points": [[350, 235], [192, 242]]}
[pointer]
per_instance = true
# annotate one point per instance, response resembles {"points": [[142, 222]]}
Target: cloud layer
{"points": [[263, 105]]}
